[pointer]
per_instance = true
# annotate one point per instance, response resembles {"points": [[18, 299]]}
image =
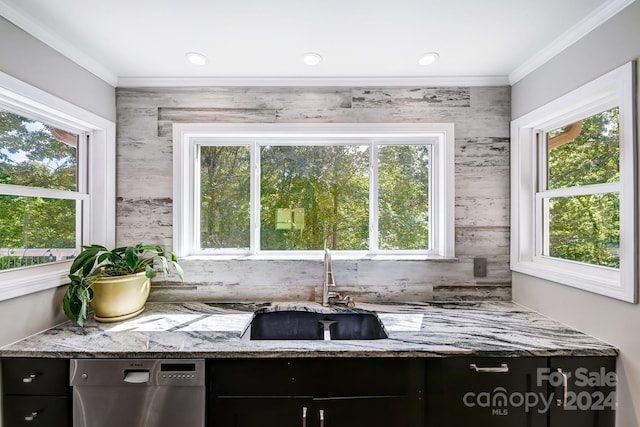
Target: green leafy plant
{"points": [[96, 261]]}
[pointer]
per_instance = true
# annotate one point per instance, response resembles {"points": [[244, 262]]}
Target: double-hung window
{"points": [[573, 188], [42, 190], [284, 189], [57, 186]]}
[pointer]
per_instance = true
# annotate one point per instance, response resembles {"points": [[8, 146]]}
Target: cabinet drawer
{"points": [[42, 411], [312, 377], [35, 376]]}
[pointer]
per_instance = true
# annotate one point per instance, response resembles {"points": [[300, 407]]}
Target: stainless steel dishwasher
{"points": [[138, 392]]}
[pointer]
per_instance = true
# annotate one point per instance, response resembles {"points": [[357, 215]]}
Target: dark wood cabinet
{"points": [[520, 392], [346, 392], [484, 392], [316, 392], [35, 392], [347, 411], [583, 389]]}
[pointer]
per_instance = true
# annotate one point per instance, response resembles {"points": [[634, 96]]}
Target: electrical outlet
{"points": [[479, 267]]}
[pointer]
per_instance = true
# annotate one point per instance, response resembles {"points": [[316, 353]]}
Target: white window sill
{"points": [[607, 282], [319, 256], [24, 281]]}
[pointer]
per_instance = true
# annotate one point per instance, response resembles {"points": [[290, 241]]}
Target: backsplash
{"points": [[481, 116]]}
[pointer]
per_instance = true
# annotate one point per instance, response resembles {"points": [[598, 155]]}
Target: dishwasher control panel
{"points": [[178, 373], [137, 372]]}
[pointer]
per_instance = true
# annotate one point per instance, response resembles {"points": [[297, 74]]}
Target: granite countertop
{"points": [[200, 330]]}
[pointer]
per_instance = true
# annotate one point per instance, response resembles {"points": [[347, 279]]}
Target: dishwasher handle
{"points": [[136, 376]]}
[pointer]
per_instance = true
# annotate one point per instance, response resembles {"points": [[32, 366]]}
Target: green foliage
{"points": [[404, 197], [31, 156], [586, 228], [328, 188], [75, 302], [331, 184], [225, 190], [96, 261]]}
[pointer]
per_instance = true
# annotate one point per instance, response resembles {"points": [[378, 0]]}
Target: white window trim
{"points": [[99, 193], [187, 135], [615, 88]]}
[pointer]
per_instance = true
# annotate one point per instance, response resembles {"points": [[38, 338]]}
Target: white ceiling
{"points": [[139, 42]]}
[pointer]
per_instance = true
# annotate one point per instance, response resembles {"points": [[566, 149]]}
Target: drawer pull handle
{"points": [[565, 390], [304, 416], [31, 417], [30, 378], [494, 369], [321, 417]]}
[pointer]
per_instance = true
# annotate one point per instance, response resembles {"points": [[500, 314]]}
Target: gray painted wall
{"points": [[611, 45], [28, 59], [481, 116], [33, 62]]}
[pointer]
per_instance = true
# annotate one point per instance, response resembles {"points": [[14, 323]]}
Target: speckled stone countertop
{"points": [[199, 330]]}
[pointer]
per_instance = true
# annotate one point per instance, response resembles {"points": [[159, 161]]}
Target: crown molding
{"points": [[53, 40], [572, 35], [569, 37], [312, 81]]}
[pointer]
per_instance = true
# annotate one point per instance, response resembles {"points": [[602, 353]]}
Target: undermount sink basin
{"points": [[309, 325]]}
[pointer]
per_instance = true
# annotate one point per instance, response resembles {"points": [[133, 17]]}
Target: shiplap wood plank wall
{"points": [[481, 116]]}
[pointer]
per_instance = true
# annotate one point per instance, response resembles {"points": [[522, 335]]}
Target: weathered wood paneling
{"points": [[168, 116], [481, 116], [400, 97]]}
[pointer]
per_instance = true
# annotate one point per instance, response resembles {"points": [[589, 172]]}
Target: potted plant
{"points": [[115, 283]]}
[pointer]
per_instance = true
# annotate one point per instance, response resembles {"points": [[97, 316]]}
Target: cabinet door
{"points": [[390, 411], [260, 411], [42, 411], [350, 411], [583, 390], [485, 392]]}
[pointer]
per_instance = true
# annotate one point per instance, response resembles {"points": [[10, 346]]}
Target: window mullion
{"points": [[254, 245], [541, 207], [197, 197], [434, 189], [582, 190], [541, 144], [83, 218], [47, 193], [373, 197]]}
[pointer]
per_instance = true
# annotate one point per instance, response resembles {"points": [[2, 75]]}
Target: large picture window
{"points": [[272, 192], [574, 189]]}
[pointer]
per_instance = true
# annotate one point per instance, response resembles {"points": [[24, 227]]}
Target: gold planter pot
{"points": [[119, 298]]}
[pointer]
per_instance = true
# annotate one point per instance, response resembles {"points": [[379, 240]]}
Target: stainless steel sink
{"points": [[310, 325]]}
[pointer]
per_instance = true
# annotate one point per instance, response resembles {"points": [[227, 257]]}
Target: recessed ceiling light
{"points": [[428, 58], [196, 58], [311, 58]]}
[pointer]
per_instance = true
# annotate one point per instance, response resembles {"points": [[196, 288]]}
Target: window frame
{"points": [[95, 194], [614, 89], [187, 136]]}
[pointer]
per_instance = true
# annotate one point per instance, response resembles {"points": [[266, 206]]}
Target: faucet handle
{"points": [[348, 299]]}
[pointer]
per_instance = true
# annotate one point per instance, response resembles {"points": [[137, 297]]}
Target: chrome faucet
{"points": [[328, 278], [329, 281]]}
